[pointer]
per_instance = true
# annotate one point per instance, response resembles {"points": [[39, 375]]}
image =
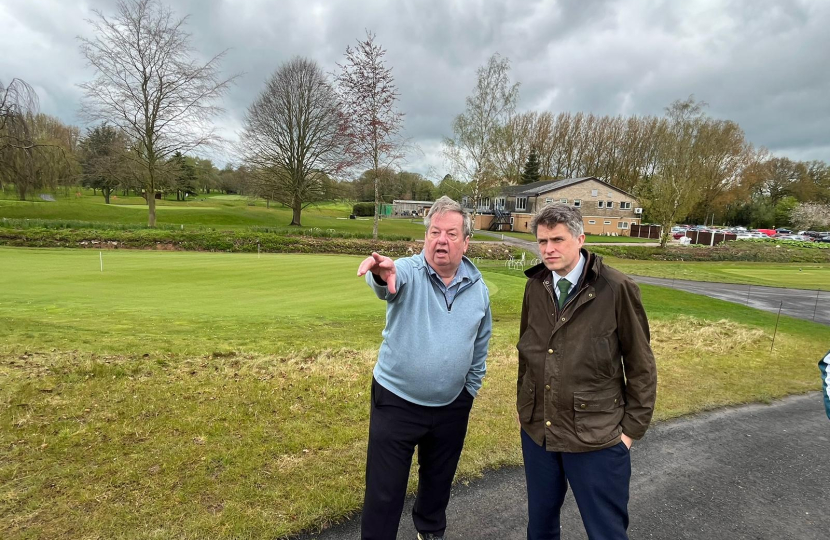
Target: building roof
{"points": [[401, 201], [546, 186]]}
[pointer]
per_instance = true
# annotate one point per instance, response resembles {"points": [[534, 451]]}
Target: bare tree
{"points": [[294, 135], [368, 95], [149, 85], [475, 131], [673, 190], [18, 105], [513, 145]]}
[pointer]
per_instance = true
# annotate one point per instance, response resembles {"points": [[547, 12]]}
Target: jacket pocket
{"points": [[597, 415], [526, 400]]}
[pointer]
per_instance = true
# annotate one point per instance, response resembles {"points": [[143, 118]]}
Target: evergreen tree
{"points": [[531, 173]]}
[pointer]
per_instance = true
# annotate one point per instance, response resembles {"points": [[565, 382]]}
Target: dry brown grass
{"points": [[258, 446]]}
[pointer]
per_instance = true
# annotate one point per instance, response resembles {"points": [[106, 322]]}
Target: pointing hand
{"points": [[381, 266]]}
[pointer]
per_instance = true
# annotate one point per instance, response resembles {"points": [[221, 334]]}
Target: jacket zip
{"points": [[449, 305]]}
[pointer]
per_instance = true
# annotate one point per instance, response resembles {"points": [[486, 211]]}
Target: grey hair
{"points": [[444, 205], [553, 214]]}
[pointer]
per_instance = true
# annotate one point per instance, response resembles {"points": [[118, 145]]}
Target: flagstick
{"points": [[101, 257]]}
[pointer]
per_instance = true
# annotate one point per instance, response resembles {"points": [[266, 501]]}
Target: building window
{"points": [[548, 200], [622, 225], [594, 192], [608, 223], [577, 202], [592, 222], [563, 201], [521, 203], [625, 205], [609, 204], [600, 204], [500, 203]]}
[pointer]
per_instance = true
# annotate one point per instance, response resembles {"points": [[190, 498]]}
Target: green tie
{"points": [[564, 286]]}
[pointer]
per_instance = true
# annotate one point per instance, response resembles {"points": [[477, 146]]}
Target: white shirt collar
{"points": [[572, 277]]}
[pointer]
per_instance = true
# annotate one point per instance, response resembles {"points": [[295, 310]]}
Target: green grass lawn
{"points": [[791, 275], [198, 395], [214, 211]]}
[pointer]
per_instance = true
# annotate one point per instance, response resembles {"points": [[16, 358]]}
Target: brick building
{"points": [[605, 208]]}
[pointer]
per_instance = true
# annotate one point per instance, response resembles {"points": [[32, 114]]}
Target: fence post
{"points": [[815, 308], [776, 327]]}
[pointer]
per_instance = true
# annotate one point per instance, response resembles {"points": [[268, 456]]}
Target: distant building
{"points": [[402, 208], [605, 208]]}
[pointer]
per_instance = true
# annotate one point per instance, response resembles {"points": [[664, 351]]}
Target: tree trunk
{"points": [[106, 192], [298, 208], [665, 230], [377, 206], [151, 195]]}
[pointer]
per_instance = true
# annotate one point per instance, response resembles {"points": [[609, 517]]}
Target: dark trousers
{"points": [[396, 426], [600, 482]]}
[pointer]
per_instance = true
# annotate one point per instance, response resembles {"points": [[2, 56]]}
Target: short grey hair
{"points": [[553, 214], [444, 205]]}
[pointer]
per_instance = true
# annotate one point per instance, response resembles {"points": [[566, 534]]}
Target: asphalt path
{"points": [[754, 472], [800, 303]]}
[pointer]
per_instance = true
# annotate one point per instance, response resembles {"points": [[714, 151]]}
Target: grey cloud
{"points": [[759, 63]]}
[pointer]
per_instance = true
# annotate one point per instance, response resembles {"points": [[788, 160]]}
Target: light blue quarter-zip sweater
{"points": [[431, 351]]}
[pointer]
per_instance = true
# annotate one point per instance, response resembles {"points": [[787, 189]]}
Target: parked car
{"points": [[783, 231], [768, 232], [825, 239]]}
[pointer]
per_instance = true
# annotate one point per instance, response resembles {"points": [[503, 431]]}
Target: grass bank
{"points": [[231, 241], [199, 395], [745, 251], [214, 211]]}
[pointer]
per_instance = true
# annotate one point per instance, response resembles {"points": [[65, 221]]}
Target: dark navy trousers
{"points": [[396, 427], [600, 482]]}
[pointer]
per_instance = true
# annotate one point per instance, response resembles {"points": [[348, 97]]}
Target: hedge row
{"points": [[727, 251], [226, 241]]}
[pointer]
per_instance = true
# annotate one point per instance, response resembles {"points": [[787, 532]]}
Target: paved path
{"points": [[757, 472], [797, 302]]}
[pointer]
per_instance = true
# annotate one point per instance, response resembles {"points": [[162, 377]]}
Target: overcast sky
{"points": [[761, 63]]}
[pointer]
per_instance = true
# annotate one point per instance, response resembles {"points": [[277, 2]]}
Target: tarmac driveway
{"points": [[758, 472], [800, 303]]}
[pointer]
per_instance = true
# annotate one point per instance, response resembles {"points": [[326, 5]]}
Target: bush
{"points": [[364, 209]]}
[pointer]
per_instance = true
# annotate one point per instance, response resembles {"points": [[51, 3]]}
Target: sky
{"points": [[760, 63]]}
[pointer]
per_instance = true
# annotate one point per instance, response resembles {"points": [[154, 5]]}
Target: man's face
{"points": [[558, 248], [445, 242]]}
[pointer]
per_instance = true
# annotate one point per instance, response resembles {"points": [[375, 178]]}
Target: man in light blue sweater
{"points": [[429, 369]]}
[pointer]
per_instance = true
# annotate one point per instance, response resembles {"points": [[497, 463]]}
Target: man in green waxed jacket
{"points": [[586, 384]]}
